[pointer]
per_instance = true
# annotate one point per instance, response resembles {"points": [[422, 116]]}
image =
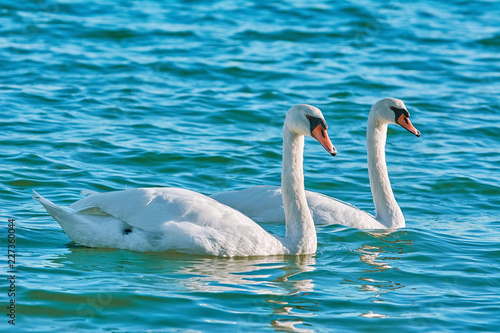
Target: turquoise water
{"points": [[112, 95]]}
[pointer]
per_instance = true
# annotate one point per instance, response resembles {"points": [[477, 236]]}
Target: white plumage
{"points": [[161, 219], [265, 203]]}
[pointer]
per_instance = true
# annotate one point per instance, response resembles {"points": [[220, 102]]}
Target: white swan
{"points": [[161, 219], [264, 203]]}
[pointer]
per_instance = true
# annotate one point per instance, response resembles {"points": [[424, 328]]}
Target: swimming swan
{"points": [[161, 219], [264, 203]]}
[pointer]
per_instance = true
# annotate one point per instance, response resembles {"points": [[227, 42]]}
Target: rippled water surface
{"points": [[109, 95]]}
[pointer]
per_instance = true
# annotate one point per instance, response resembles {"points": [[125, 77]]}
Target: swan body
{"points": [[162, 219], [264, 203]]}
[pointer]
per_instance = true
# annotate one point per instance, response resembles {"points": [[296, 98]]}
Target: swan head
{"points": [[393, 111], [307, 120]]}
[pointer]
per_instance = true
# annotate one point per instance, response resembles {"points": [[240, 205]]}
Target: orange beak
{"points": [[319, 133], [405, 122]]}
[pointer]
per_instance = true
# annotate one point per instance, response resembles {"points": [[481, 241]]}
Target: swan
{"points": [[162, 219], [264, 203]]}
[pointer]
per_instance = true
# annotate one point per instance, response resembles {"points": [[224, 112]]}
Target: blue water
{"points": [[109, 95]]}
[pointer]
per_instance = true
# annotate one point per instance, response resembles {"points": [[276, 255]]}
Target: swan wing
{"points": [[327, 210], [148, 208], [264, 204], [161, 219], [260, 203]]}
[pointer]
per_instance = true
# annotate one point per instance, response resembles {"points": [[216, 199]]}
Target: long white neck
{"points": [[387, 210], [300, 235]]}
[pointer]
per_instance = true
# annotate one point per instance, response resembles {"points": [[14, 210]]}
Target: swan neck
{"points": [[300, 235], [387, 210]]}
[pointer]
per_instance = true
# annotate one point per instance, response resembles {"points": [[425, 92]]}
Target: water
{"points": [[111, 95]]}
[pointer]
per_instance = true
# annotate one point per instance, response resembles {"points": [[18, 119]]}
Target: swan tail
{"points": [[72, 224], [55, 211], [93, 228]]}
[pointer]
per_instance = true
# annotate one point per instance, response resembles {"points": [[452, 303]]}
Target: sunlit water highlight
{"points": [[111, 95]]}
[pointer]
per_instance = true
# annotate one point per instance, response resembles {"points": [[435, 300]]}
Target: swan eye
{"points": [[398, 112], [315, 122]]}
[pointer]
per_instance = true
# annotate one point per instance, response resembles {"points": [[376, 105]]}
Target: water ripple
{"points": [[112, 95]]}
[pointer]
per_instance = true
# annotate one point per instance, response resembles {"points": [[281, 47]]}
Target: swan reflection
{"points": [[263, 274], [271, 291], [380, 256]]}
